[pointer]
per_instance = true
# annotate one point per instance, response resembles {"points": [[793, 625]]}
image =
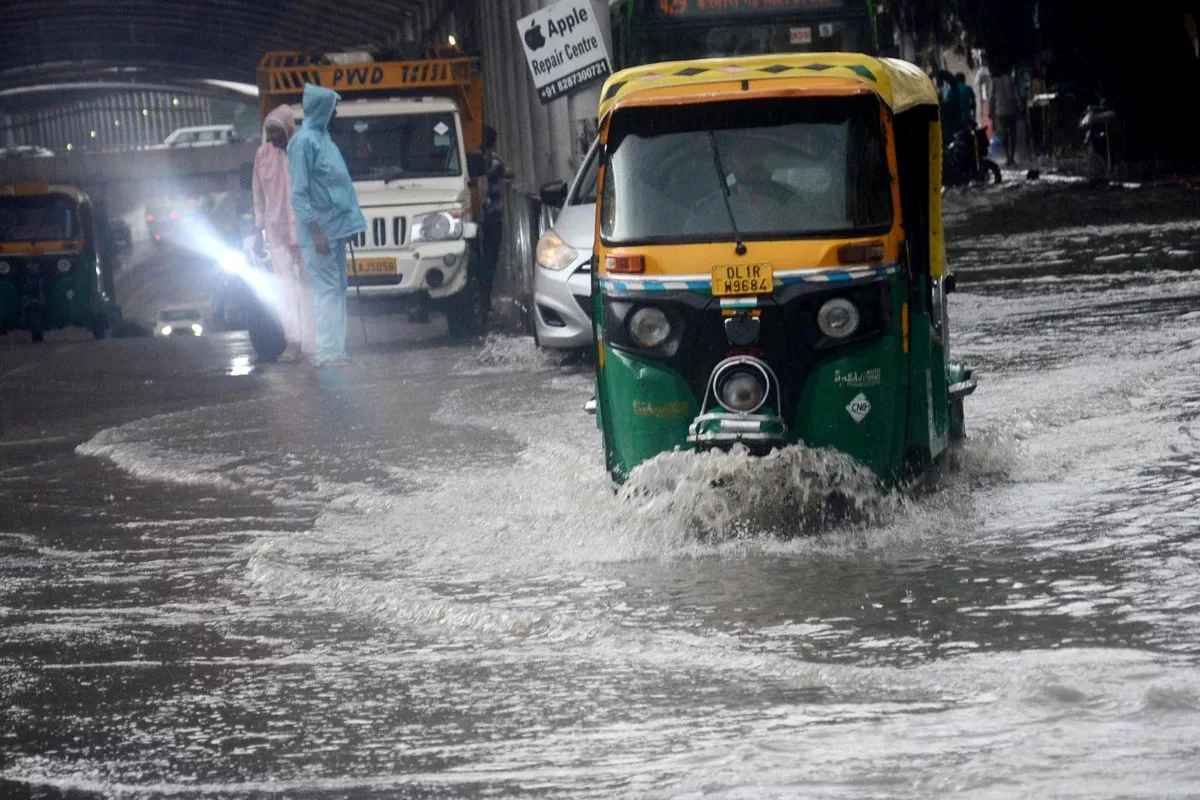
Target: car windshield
{"points": [[398, 146], [585, 191], [760, 169], [38, 218]]}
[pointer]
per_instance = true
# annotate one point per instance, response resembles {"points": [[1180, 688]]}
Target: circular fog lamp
{"points": [[649, 327], [5, 268], [64, 265], [741, 390], [838, 318]]}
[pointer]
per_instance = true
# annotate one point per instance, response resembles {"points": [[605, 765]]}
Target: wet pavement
{"points": [[409, 578]]}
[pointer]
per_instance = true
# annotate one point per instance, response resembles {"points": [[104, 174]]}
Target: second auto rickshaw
{"points": [[769, 266], [55, 270]]}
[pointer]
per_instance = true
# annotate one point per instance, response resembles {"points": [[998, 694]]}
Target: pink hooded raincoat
{"points": [[272, 189]]}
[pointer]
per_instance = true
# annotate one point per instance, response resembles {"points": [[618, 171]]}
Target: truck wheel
{"points": [[99, 327], [37, 333], [467, 311]]}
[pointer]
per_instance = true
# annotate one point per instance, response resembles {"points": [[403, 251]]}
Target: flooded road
{"points": [[410, 578]]}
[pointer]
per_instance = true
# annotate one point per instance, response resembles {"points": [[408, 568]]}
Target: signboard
{"points": [[564, 48], [688, 9], [800, 35]]}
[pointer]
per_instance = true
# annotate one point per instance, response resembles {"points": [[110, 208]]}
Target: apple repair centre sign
{"points": [[564, 47]]}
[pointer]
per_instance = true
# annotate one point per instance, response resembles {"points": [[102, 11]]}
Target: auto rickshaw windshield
{"points": [[38, 218], [761, 169]]}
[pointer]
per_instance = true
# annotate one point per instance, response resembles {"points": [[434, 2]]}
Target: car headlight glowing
{"points": [[838, 318], [440, 226], [166, 330], [197, 330], [5, 268], [649, 327], [64, 265], [553, 253]]}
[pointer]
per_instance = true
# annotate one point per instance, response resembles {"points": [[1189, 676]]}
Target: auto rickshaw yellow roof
{"points": [[899, 84], [42, 187]]}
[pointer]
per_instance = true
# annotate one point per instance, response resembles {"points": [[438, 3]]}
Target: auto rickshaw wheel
{"points": [[37, 326]]}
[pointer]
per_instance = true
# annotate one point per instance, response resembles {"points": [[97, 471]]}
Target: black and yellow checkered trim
{"points": [[734, 71]]}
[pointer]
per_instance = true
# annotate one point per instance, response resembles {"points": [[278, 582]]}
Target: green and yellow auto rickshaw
{"points": [[769, 264], [54, 269]]}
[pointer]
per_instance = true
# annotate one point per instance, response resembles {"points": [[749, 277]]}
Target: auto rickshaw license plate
{"points": [[372, 266], [742, 279]]}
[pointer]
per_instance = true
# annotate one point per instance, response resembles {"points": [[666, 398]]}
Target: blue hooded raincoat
{"points": [[323, 193]]}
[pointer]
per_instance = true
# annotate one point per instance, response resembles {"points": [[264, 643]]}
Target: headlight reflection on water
{"points": [[240, 365]]}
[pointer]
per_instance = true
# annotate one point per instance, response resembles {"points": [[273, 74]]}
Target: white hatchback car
{"points": [[179, 320], [562, 283]]}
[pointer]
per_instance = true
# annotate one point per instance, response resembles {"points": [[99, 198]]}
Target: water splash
{"points": [[791, 491]]}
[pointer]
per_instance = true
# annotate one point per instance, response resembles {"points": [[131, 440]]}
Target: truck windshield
{"points": [[398, 146], [38, 218], [763, 169]]}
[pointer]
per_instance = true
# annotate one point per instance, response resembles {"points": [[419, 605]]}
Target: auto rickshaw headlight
{"points": [[649, 327], [5, 268], [741, 390], [64, 265], [838, 318]]}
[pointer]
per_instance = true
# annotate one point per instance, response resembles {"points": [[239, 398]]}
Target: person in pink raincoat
{"points": [[276, 224]]}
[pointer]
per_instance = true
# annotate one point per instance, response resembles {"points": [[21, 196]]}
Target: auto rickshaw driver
{"points": [[749, 192]]}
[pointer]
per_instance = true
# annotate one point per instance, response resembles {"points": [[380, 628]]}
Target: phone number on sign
{"points": [[577, 78]]}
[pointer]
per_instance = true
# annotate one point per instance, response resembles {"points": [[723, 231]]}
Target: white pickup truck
{"points": [[409, 164]]}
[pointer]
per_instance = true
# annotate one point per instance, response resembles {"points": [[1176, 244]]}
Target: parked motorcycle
{"points": [[965, 161], [250, 285]]}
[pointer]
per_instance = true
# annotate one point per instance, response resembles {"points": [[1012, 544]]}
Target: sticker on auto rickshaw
{"points": [[742, 279]]}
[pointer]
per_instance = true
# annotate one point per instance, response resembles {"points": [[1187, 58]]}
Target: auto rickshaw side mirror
{"points": [[950, 283], [476, 165], [554, 194]]}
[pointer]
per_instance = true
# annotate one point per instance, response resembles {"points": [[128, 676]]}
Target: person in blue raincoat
{"points": [[327, 215]]}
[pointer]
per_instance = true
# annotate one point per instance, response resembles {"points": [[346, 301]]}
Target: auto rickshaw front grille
{"points": [[789, 339]]}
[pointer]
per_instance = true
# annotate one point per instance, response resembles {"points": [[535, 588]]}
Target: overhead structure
{"points": [[50, 41]]}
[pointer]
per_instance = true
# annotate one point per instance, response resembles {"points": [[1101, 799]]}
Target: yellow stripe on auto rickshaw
{"points": [[642, 284]]}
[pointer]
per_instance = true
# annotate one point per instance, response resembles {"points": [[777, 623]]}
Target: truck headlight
{"points": [[64, 265], [440, 226], [5, 268], [553, 253]]}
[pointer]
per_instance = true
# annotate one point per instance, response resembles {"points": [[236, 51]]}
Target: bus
{"points": [[649, 31]]}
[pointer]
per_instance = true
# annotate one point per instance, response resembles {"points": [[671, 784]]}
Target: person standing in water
{"points": [[275, 230], [327, 215]]}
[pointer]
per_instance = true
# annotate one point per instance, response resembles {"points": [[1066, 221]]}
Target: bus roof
{"points": [[899, 84]]}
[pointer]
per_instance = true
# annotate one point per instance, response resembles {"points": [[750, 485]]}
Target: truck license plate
{"points": [[372, 266]]}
